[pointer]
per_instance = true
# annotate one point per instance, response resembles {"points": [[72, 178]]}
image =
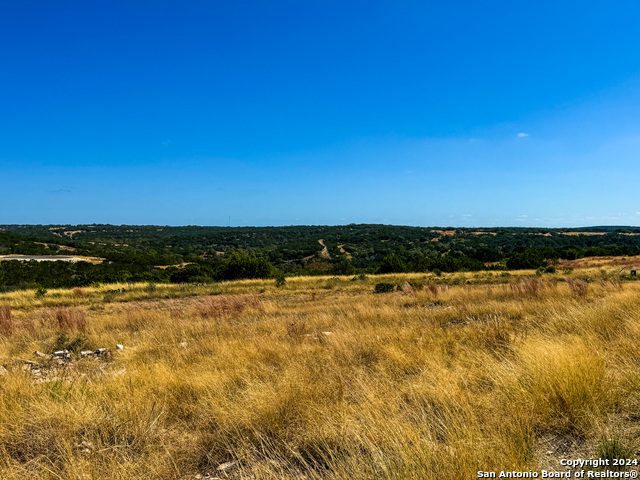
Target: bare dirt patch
{"points": [[590, 262], [325, 251], [342, 250]]}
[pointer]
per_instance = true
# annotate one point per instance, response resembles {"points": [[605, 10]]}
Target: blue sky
{"points": [[294, 112]]}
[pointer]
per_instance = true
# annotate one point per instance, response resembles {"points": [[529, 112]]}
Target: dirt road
{"points": [[325, 251]]}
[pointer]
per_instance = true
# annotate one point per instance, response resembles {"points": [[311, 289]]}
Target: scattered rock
{"points": [[58, 366], [119, 347], [40, 380], [226, 466], [61, 356], [84, 447]]}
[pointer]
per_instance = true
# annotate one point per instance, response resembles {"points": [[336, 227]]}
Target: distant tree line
{"points": [[209, 254]]}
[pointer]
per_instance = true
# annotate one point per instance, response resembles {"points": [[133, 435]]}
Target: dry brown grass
{"points": [[528, 287], [578, 287], [317, 383], [296, 331], [71, 318], [222, 305], [79, 292], [433, 288], [6, 321]]}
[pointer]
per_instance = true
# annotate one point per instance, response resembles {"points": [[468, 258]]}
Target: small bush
{"points": [[280, 280], [332, 283], [74, 345], [110, 295], [6, 321], [41, 292], [384, 287], [433, 288], [79, 292], [71, 318]]}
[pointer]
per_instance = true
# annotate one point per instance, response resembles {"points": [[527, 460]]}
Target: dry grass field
{"points": [[320, 379]]}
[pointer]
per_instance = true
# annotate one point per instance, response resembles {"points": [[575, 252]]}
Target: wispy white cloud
{"points": [[522, 135]]}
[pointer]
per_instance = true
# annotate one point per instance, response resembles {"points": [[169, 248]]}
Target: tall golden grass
{"points": [[246, 380]]}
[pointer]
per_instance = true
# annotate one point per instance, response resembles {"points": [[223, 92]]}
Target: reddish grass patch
{"points": [[407, 289], [71, 318], [578, 287], [223, 305], [527, 287], [6, 321], [433, 288], [79, 292]]}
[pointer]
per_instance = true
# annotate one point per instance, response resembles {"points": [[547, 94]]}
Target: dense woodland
{"points": [[193, 254]]}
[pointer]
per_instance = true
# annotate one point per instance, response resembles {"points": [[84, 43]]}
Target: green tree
{"points": [[392, 264]]}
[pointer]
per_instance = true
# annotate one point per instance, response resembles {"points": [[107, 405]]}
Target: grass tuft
{"points": [[71, 319], [6, 321]]}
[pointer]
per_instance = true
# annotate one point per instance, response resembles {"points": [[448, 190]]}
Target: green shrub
{"points": [[612, 448], [392, 264], [384, 287], [332, 283]]}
